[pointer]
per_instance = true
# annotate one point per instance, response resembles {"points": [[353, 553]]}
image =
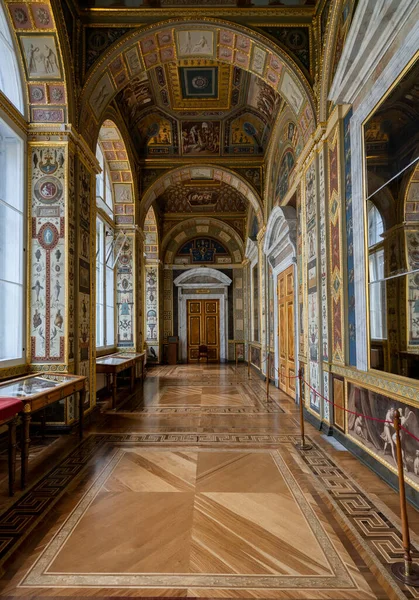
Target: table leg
{"points": [[26, 419], [12, 455], [114, 389], [43, 423], [132, 378], [82, 398]]}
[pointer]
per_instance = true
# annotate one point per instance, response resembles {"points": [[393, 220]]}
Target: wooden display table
{"points": [[37, 392], [113, 364]]}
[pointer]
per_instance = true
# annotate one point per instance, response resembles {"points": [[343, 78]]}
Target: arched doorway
{"points": [[203, 313], [280, 250]]}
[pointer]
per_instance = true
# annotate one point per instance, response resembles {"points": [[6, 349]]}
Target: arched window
{"points": [[12, 205], [105, 272], [10, 79], [378, 323]]}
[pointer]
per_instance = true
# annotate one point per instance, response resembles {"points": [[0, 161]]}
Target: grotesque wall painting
{"points": [[48, 254], [125, 295]]}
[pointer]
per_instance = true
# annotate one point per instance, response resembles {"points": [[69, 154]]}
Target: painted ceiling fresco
{"points": [[208, 109], [211, 197]]}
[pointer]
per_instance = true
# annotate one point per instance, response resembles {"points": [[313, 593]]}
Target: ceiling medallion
{"points": [[199, 82]]}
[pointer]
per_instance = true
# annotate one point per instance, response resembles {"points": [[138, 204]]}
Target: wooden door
{"points": [[203, 328], [286, 345]]}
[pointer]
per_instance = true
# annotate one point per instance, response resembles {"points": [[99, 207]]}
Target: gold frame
{"points": [[395, 83]]}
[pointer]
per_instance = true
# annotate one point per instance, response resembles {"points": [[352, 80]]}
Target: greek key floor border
{"points": [[375, 535]]}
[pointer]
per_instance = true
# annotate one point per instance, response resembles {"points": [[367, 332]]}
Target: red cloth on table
{"points": [[9, 407]]}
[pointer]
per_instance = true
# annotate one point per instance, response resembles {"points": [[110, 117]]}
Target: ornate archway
{"points": [[212, 39], [212, 173]]}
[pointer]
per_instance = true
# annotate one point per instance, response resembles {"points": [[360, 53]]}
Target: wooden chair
{"points": [[203, 351], [9, 410]]}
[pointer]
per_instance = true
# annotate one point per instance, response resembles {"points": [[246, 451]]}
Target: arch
{"points": [[281, 231], [217, 173], [40, 38], [411, 203], [189, 282], [202, 226], [226, 42], [151, 236], [285, 137], [199, 272], [280, 248], [11, 77], [116, 156]]}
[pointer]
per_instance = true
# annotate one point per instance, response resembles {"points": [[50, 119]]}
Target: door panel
{"points": [[203, 328], [286, 330]]}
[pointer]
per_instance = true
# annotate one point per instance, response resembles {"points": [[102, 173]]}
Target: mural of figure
{"points": [[57, 290], [50, 60], [32, 60], [37, 321], [386, 434], [37, 287]]}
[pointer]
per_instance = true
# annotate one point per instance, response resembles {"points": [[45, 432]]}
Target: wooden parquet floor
{"points": [[195, 488]]}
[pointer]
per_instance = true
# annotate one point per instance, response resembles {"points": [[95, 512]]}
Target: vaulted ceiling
{"points": [[200, 107]]}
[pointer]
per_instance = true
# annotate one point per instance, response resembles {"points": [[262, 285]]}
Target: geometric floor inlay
{"points": [[195, 518]]}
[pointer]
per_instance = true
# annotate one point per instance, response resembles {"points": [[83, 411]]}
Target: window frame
{"points": [[25, 332], [105, 214], [375, 249]]}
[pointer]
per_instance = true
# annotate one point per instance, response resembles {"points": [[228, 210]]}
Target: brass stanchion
{"points": [[248, 362], [405, 571], [302, 445], [267, 375]]}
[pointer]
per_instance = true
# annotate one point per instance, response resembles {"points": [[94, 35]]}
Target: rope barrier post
{"points": [[405, 571], [267, 375], [302, 445], [248, 362]]}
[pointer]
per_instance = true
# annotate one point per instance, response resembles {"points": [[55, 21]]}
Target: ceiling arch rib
{"points": [[118, 164], [205, 227], [200, 176], [179, 46]]}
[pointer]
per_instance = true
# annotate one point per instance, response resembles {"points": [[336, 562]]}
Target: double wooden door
{"points": [[204, 328], [286, 341]]}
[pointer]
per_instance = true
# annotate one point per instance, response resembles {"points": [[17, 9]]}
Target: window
{"points": [[378, 326], [12, 308], [105, 286], [105, 274], [10, 80]]}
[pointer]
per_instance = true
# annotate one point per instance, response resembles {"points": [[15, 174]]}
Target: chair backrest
{"points": [[203, 348]]}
